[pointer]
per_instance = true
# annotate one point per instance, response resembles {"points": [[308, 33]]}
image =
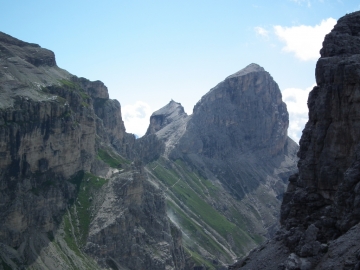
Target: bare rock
{"points": [[52, 128], [131, 227], [236, 140], [319, 213]]}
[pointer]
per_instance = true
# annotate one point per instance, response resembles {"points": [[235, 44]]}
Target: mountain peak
{"points": [[170, 108], [30, 52], [171, 112], [248, 69]]}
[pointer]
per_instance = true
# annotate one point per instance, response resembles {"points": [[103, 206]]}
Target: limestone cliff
{"points": [[74, 195], [247, 111], [229, 161], [68, 192], [320, 211]]}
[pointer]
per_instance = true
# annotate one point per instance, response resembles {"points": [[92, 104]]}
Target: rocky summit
{"points": [[70, 197], [229, 161], [320, 210], [78, 192]]}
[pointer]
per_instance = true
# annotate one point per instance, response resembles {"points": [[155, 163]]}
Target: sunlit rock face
{"points": [[320, 210], [236, 139], [67, 184], [239, 130], [73, 194], [243, 114]]}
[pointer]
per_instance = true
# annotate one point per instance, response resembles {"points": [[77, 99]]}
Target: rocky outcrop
{"points": [[234, 153], [247, 111], [321, 202], [64, 152], [133, 211], [71, 198], [169, 124], [242, 121], [45, 138]]}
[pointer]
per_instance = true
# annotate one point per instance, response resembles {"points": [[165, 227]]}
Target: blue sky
{"points": [[149, 52]]}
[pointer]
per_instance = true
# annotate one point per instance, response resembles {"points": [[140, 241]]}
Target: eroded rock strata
{"points": [[320, 210], [78, 192], [234, 152], [69, 196]]}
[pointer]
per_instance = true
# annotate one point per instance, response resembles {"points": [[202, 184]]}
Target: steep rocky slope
{"points": [[78, 192], [69, 198], [320, 210], [225, 167]]}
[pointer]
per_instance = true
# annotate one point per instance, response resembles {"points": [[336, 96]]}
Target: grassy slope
{"points": [[77, 219], [189, 198]]}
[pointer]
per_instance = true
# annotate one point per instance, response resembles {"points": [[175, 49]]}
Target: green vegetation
{"points": [[200, 182], [69, 238], [71, 262], [114, 161], [84, 95], [61, 100], [76, 220], [86, 185], [196, 232], [67, 114], [69, 84], [188, 192], [189, 198], [199, 260], [72, 86], [85, 104]]}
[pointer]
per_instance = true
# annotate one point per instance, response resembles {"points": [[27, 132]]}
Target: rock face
{"points": [[64, 154], [133, 212], [74, 195], [243, 114], [234, 152], [320, 210], [169, 124]]}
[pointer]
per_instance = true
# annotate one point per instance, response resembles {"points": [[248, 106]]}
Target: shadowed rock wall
{"points": [[320, 210]]}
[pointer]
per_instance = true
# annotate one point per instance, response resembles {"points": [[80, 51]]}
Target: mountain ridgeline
{"points": [[78, 192]]}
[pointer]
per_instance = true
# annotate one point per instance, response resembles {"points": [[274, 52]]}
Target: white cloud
{"points": [[136, 117], [261, 32], [296, 101], [304, 40]]}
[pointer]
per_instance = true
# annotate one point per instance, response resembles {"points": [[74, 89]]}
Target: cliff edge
{"points": [[224, 168], [320, 210], [70, 196]]}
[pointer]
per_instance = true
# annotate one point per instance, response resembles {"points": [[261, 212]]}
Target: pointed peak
{"points": [[166, 118], [173, 102], [248, 69], [169, 108]]}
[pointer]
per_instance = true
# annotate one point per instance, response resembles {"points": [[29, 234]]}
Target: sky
{"points": [[150, 52]]}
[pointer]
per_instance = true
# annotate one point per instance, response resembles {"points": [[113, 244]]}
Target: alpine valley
{"points": [[195, 192]]}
